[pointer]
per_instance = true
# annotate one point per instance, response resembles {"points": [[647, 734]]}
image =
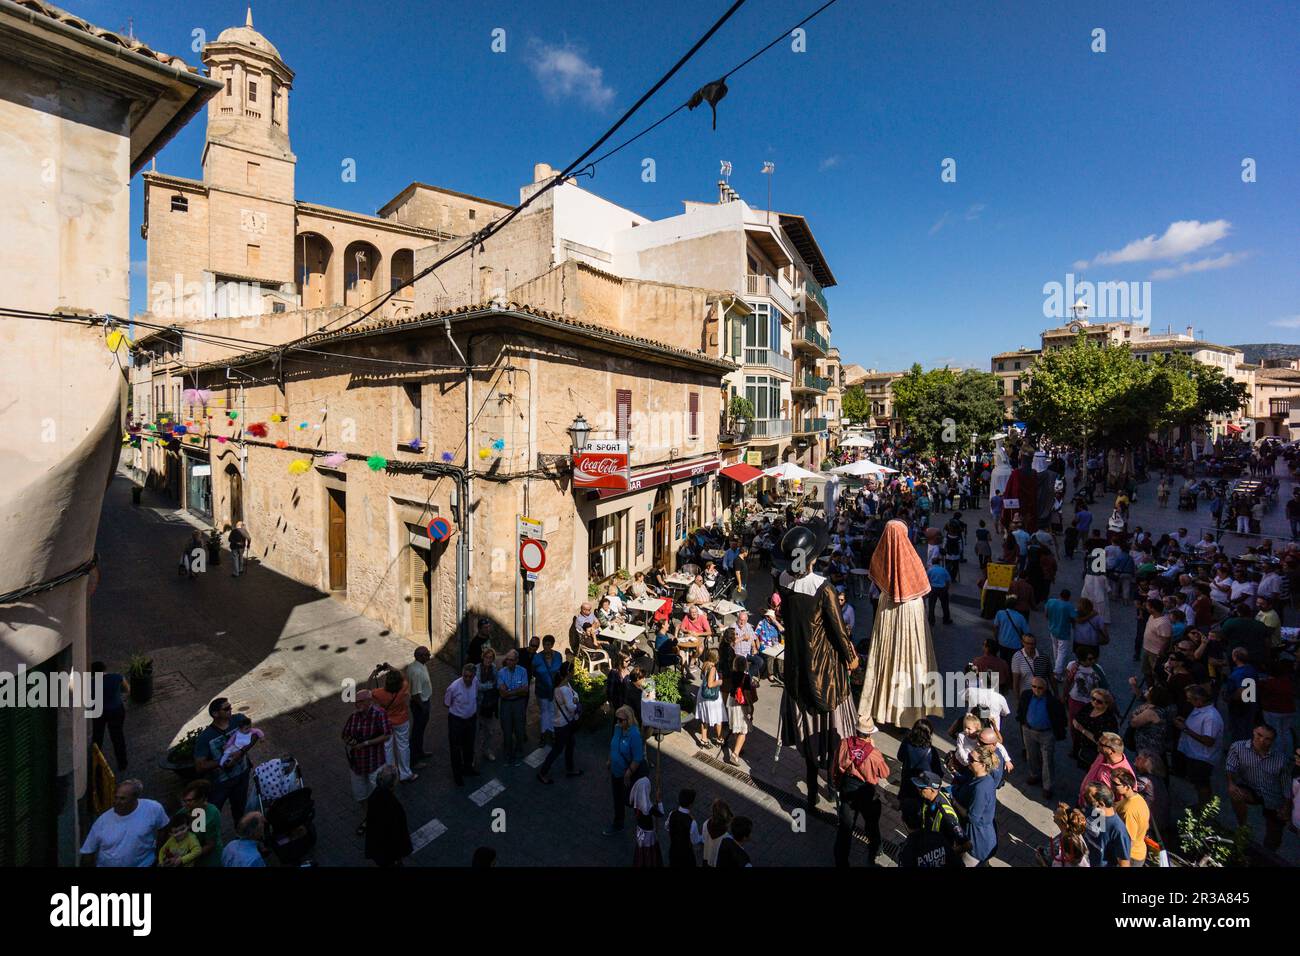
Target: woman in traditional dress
{"points": [[899, 688]]}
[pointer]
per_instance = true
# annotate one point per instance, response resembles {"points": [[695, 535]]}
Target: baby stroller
{"points": [[289, 810]]}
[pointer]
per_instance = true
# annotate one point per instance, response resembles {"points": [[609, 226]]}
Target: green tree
{"points": [[943, 409], [1092, 396], [1197, 391], [855, 405]]}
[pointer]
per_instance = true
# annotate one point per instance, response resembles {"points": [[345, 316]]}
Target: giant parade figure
{"points": [[816, 703], [900, 681]]}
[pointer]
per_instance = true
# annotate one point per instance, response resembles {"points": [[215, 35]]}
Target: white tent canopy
{"points": [[862, 469], [789, 471], [857, 441]]}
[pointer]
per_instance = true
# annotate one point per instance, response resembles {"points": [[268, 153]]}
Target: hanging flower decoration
{"points": [[499, 445], [179, 430], [194, 439], [281, 443], [302, 426], [376, 462], [334, 460], [485, 453], [299, 467], [232, 415], [415, 444], [277, 417], [257, 429], [448, 456], [221, 439]]}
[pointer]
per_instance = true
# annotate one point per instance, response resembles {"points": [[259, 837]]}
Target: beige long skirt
{"points": [[902, 682]]}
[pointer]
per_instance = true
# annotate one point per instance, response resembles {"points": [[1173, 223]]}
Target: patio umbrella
{"points": [[789, 471], [862, 469], [857, 441]]}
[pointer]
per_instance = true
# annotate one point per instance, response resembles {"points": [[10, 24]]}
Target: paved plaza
{"points": [[282, 652]]}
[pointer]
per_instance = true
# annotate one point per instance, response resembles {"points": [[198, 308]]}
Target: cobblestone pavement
{"points": [[281, 651]]}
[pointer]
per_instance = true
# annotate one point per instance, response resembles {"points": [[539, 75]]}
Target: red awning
{"points": [[663, 475], [1235, 429], [743, 473]]}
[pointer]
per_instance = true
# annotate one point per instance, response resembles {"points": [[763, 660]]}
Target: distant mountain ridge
{"points": [[1259, 351]]}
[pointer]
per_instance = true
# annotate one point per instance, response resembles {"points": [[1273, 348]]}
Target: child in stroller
{"points": [[289, 810]]}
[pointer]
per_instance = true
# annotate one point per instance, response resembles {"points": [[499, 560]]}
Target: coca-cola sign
{"points": [[602, 464]]}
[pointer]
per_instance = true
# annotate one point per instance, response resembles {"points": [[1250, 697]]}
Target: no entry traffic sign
{"points": [[532, 556]]}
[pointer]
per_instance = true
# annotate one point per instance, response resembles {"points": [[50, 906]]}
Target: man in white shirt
{"points": [[462, 713], [126, 835], [1202, 732], [417, 675], [983, 701], [1240, 589]]}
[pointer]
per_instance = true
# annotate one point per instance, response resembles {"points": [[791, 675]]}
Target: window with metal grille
{"points": [[180, 204], [623, 405]]}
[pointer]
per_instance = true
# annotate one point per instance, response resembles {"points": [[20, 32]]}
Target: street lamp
{"points": [[740, 424], [578, 433]]}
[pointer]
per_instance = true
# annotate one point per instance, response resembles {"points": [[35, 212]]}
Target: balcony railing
{"points": [[1279, 407], [770, 358], [767, 286], [768, 428], [811, 382], [809, 336], [811, 425], [814, 289]]}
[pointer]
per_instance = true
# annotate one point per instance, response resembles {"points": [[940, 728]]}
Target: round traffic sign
{"points": [[439, 529], [532, 556]]}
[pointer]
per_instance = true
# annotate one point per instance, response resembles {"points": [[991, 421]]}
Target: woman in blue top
{"points": [[113, 714], [626, 757], [980, 798]]}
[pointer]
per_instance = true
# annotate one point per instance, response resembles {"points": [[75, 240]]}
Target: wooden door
{"points": [[236, 494], [418, 585], [338, 519]]}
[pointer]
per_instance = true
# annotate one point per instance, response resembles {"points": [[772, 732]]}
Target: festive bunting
{"points": [[114, 340], [334, 460], [299, 466], [376, 462], [281, 443]]}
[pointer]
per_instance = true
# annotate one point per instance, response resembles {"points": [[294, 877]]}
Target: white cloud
{"points": [[830, 162], [1080, 265], [1291, 322], [1180, 239], [565, 74], [974, 211], [943, 221], [1200, 265]]}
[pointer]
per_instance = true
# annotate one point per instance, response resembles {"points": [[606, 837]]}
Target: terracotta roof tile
{"points": [[127, 43]]}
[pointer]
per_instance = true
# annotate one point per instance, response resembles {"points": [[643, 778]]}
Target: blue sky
{"points": [[1129, 160]]}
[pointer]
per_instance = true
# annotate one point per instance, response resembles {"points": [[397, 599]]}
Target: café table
{"points": [[647, 606], [623, 633]]}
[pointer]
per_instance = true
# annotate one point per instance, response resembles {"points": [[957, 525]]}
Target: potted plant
{"points": [[180, 756], [739, 409], [139, 674], [668, 686], [590, 689], [1203, 841]]}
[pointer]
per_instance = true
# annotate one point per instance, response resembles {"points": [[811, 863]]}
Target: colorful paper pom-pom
{"points": [[232, 415], [299, 467], [485, 453], [281, 444], [221, 439], [499, 445], [415, 444], [257, 429], [448, 456], [277, 418], [179, 430], [302, 426], [334, 460], [376, 462]]}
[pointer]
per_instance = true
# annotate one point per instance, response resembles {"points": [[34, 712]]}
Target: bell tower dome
{"points": [[248, 121]]}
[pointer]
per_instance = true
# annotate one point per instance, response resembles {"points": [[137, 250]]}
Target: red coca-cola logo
{"points": [[601, 470]]}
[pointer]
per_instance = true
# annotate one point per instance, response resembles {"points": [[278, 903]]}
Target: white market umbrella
{"points": [[863, 469], [857, 441], [789, 471]]}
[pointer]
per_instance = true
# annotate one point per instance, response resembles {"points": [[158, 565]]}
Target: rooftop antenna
{"points": [[768, 170]]}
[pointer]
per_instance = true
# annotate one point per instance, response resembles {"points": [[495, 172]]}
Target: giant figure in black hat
{"points": [[816, 704]]}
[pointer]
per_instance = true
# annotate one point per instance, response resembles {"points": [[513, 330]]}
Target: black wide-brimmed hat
{"points": [[809, 539]]}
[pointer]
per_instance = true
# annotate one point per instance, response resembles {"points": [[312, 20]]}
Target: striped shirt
{"points": [[1040, 666], [1269, 775]]}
